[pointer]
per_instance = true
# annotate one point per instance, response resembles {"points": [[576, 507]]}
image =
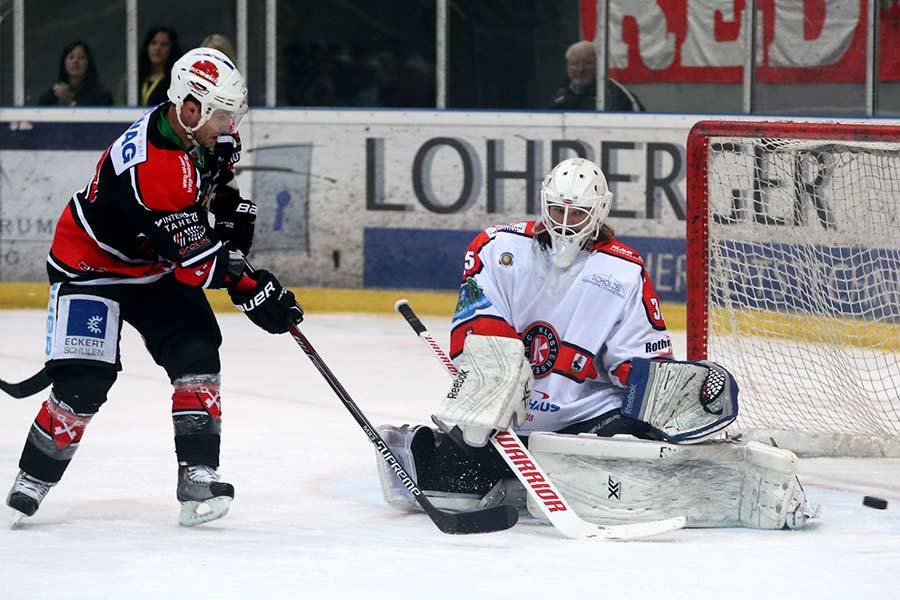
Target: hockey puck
{"points": [[873, 502]]}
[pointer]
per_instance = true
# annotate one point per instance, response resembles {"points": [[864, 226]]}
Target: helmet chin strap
{"points": [[188, 131]]}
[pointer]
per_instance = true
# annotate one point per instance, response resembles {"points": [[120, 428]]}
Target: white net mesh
{"points": [[804, 288]]}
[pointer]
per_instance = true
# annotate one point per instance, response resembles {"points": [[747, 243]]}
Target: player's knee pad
{"points": [[188, 356], [196, 404], [58, 429], [78, 393]]}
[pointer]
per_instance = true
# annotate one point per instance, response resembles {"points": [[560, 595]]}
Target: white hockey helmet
{"points": [[210, 78], [575, 201]]}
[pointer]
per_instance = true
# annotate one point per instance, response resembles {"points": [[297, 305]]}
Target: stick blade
{"points": [[34, 384], [634, 531], [488, 520]]}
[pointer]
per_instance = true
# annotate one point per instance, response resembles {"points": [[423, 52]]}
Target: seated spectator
{"points": [[78, 82], [579, 92], [221, 43], [158, 54]]}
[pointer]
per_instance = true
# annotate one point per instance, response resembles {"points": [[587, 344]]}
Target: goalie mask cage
{"points": [[793, 274]]}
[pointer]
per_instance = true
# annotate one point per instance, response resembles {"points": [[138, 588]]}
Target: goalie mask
{"points": [[575, 201], [208, 77]]}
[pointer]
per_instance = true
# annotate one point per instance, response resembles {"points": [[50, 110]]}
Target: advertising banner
{"points": [[702, 41], [381, 199]]}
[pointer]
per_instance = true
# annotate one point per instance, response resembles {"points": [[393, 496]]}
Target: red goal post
{"points": [[793, 277]]}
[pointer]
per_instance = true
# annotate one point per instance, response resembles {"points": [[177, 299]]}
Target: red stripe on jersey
{"points": [[473, 264], [195, 275], [481, 325], [167, 180], [575, 363], [620, 373], [75, 249], [651, 304], [619, 250]]}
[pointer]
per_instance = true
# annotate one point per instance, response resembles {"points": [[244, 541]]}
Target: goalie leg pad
{"points": [[716, 484], [684, 401]]}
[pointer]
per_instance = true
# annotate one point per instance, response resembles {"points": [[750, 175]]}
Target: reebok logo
{"points": [[458, 382]]}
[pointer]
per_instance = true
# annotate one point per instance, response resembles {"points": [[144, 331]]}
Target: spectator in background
{"points": [[221, 43], [159, 53], [78, 82], [579, 92]]}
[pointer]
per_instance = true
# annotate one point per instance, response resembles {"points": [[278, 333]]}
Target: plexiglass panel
{"points": [[509, 54], [81, 31], [811, 59], [356, 53], [182, 25]]}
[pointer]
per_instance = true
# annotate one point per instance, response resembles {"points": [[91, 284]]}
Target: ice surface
{"points": [[308, 520]]}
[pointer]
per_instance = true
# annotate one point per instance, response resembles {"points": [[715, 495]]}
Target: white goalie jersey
{"points": [[581, 325]]}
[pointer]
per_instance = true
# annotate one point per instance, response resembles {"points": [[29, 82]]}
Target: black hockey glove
{"points": [[269, 306], [227, 150], [235, 218]]}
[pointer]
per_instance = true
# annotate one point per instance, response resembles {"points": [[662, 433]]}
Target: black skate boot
{"points": [[203, 496], [26, 495]]}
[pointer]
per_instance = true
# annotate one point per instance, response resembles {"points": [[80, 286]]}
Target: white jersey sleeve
{"points": [[641, 332]]}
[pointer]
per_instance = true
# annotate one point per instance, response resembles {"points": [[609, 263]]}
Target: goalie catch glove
{"points": [[684, 401], [490, 392], [266, 302]]}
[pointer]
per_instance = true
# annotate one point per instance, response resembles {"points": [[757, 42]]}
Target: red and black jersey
{"points": [[143, 214]]}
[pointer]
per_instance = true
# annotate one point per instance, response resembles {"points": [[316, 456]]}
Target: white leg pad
{"points": [[714, 484]]}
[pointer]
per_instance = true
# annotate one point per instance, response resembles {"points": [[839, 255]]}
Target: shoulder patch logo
{"points": [[130, 148], [506, 259], [471, 298], [542, 347]]}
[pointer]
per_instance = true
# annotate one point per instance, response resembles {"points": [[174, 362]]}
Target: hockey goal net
{"points": [[793, 264]]}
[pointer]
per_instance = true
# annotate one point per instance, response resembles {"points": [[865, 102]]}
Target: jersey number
{"points": [[470, 260]]}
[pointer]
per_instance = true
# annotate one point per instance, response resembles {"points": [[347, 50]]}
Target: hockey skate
{"points": [[203, 496], [26, 495]]}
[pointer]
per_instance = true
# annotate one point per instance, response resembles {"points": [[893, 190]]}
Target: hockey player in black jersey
{"points": [[136, 245]]}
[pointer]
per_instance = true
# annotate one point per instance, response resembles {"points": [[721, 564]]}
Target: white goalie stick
{"points": [[536, 482]]}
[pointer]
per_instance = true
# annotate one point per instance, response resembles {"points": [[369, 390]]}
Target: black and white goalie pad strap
{"points": [[490, 391], [684, 401]]}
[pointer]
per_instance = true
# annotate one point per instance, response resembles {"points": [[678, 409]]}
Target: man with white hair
{"points": [[579, 92]]}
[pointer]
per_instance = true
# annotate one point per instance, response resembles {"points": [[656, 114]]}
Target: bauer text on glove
{"points": [[269, 305]]}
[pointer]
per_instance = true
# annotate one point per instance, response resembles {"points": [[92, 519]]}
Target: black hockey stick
{"points": [[486, 520], [28, 387]]}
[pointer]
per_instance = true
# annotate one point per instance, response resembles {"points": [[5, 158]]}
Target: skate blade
{"points": [[16, 518], [196, 513]]}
